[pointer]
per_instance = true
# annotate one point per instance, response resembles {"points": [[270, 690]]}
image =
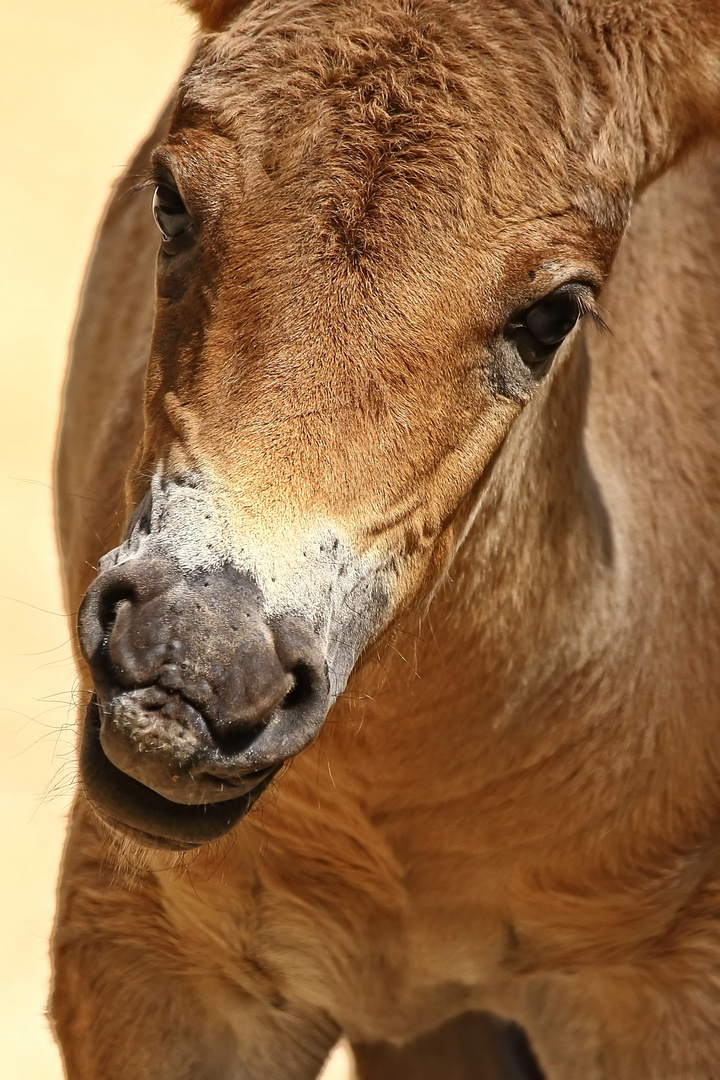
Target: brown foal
{"points": [[401, 578]]}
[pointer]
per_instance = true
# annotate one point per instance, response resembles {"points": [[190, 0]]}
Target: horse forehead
{"points": [[377, 183], [375, 65], [384, 119]]}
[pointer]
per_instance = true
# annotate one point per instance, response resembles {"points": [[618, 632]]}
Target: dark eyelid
{"points": [[585, 290], [163, 175], [167, 170], [593, 285]]}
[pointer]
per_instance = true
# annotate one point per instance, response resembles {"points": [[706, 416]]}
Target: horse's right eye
{"points": [[170, 213]]}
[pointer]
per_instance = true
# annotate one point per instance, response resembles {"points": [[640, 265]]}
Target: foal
{"points": [[371, 494]]}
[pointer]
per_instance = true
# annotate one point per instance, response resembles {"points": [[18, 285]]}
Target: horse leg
{"points": [[129, 1004], [472, 1047]]}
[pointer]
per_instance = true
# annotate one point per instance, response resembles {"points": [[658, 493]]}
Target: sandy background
{"points": [[79, 85]]}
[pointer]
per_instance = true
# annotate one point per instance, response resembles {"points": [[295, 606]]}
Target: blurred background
{"points": [[80, 83]]}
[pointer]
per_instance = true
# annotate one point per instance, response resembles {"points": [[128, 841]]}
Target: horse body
{"points": [[513, 805]]}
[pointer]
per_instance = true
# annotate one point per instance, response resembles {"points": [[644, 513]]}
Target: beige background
{"points": [[79, 84]]}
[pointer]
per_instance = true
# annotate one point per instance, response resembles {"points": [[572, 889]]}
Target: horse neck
{"points": [[528, 601], [532, 595]]}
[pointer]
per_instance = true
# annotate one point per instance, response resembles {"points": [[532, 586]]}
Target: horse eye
{"points": [[170, 213], [540, 330]]}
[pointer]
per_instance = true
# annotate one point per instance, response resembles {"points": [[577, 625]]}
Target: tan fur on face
{"points": [[515, 805], [334, 162]]}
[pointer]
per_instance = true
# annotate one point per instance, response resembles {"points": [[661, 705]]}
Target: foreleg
{"points": [[472, 1047], [130, 1003]]}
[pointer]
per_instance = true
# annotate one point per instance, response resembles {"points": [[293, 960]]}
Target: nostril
{"points": [[132, 582], [303, 688], [98, 616], [109, 608], [112, 597]]}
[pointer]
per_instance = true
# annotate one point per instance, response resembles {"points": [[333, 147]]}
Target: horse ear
{"points": [[215, 14]]}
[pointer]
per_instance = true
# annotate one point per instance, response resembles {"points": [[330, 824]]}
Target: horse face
{"points": [[372, 247]]}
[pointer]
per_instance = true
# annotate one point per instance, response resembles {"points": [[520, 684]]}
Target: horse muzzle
{"points": [[199, 698]]}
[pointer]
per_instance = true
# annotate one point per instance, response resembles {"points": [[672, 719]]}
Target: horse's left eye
{"points": [[540, 330], [170, 213]]}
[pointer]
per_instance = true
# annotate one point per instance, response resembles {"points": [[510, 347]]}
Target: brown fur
{"points": [[215, 14], [515, 805]]}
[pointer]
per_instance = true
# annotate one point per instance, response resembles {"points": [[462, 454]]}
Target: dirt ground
{"points": [[79, 84]]}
